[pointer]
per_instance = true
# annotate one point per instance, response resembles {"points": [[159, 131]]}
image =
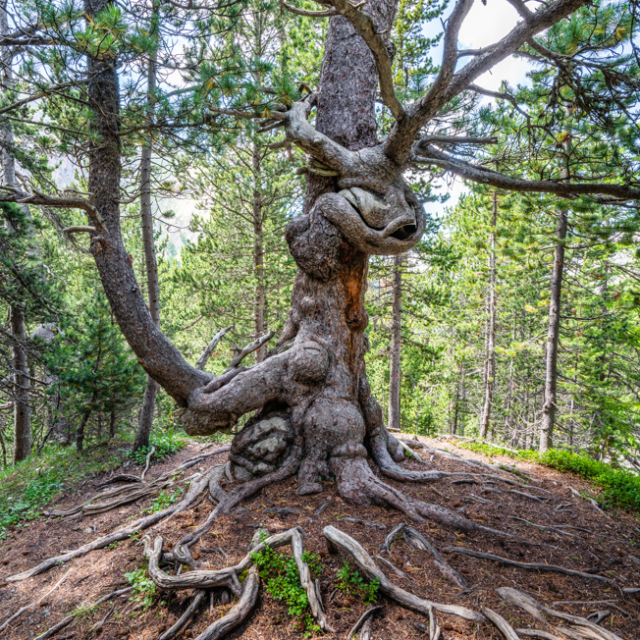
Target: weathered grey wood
{"points": [[368, 568], [501, 624]]}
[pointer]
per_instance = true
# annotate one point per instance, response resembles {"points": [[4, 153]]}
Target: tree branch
{"points": [[431, 155], [79, 230], [404, 133], [309, 14], [41, 94], [210, 348], [250, 348]]}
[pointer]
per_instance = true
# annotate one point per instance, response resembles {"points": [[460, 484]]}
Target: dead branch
{"points": [[503, 626], [385, 547], [173, 631], [418, 541], [338, 540], [365, 616], [309, 14], [250, 348], [580, 625], [211, 347], [78, 229], [529, 566], [147, 460]]}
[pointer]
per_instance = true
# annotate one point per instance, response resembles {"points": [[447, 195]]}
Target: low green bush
{"points": [[166, 441], [282, 582]]}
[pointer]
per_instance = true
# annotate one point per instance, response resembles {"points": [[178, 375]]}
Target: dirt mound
{"points": [[548, 526]]}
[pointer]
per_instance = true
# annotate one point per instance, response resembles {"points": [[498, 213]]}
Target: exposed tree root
{"points": [[65, 622], [245, 490], [238, 613], [184, 619], [536, 633], [339, 541], [417, 540], [362, 619], [20, 611], [581, 627], [529, 566], [502, 625], [229, 577], [195, 489]]}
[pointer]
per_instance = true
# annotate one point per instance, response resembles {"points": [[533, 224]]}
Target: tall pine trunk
{"points": [[145, 417], [490, 363], [553, 332], [20, 376], [396, 345]]}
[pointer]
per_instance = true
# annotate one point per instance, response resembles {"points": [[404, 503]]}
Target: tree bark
{"points": [[553, 332], [22, 385], [260, 302], [396, 345], [491, 326], [22, 408], [145, 417]]}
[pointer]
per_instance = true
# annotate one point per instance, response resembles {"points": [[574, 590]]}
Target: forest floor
{"points": [[611, 550]]}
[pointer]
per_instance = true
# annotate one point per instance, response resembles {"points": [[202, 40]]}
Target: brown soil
{"points": [[613, 551]]}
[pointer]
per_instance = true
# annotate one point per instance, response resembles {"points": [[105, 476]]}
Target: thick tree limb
{"points": [[404, 133], [433, 156], [79, 229]]}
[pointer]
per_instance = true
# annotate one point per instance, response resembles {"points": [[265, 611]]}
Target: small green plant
{"points": [[144, 589], [282, 581], [166, 441], [350, 582], [163, 500]]}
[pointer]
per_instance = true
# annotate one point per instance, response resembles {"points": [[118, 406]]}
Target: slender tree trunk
{"points": [[22, 385], [145, 417], [259, 305], [22, 408], [396, 345], [491, 326], [112, 425], [553, 332], [80, 431]]}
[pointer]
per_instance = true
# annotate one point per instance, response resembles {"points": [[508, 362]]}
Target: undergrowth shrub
{"points": [[166, 441], [282, 583], [350, 582], [144, 588], [620, 488]]}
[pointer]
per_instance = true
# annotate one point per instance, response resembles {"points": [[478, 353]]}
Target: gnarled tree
{"points": [[315, 415]]}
